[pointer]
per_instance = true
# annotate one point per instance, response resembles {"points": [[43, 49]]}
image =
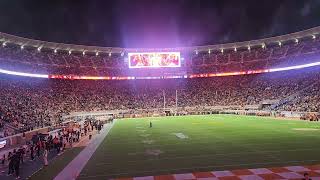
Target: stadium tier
{"points": [[28, 103], [60, 60]]}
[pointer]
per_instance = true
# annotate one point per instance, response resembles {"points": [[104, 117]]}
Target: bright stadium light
{"points": [[313, 36], [55, 51], [209, 51], [296, 41], [222, 50], [109, 54], [4, 44], [70, 52], [279, 43], [97, 53], [235, 49], [249, 48], [263, 46], [22, 47], [84, 53], [39, 49]]}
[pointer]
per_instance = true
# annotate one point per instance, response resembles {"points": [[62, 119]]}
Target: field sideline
{"points": [[202, 143]]}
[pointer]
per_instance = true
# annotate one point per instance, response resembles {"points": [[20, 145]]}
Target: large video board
{"points": [[154, 60]]}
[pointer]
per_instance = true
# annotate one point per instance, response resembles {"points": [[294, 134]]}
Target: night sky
{"points": [[155, 23]]}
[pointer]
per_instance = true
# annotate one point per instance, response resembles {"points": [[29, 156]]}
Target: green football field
{"points": [[202, 143]]}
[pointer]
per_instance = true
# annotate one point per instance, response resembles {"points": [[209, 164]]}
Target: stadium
{"points": [[236, 110]]}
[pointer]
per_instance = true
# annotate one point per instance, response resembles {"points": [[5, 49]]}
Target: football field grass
{"points": [[202, 143]]}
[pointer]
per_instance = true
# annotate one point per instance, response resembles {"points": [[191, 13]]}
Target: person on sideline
{"points": [[45, 157]]}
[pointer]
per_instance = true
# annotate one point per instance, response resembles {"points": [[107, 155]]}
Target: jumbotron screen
{"points": [[154, 60]]}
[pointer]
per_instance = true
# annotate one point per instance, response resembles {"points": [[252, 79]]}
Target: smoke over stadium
{"points": [[159, 90]]}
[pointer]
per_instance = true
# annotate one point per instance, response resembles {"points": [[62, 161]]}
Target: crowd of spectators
{"points": [[306, 101], [28, 103]]}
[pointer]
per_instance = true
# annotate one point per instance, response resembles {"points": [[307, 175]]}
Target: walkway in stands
{"points": [[290, 172], [73, 169]]}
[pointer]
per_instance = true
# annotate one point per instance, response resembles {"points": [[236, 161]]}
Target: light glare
{"points": [[23, 74]]}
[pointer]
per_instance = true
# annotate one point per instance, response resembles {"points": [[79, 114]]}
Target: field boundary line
{"points": [[73, 169]]}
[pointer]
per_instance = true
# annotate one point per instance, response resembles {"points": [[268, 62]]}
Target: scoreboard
{"points": [[154, 60]]}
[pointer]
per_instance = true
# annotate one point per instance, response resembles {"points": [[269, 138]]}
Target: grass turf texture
{"points": [[53, 169], [215, 142]]}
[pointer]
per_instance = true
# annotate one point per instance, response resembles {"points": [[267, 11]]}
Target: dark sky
{"points": [[155, 23]]}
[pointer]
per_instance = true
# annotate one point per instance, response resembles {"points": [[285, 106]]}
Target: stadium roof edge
{"points": [[4, 37]]}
